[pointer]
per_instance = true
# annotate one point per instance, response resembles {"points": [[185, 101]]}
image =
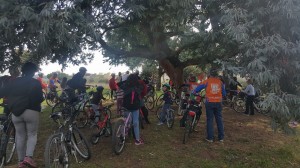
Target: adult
{"points": [[112, 85], [53, 79], [215, 90], [132, 96], [119, 77], [233, 86], [250, 91], [25, 97], [40, 79], [77, 82], [125, 76]]}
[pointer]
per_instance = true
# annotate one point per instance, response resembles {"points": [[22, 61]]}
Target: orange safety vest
{"points": [[213, 90]]}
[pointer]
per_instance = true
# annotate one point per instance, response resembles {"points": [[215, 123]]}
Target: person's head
{"points": [[41, 75], [100, 89], [213, 72], [120, 74], [14, 71], [127, 72], [133, 80], [166, 87], [113, 75], [54, 75], [137, 72], [249, 81], [234, 78], [82, 71], [29, 69]]}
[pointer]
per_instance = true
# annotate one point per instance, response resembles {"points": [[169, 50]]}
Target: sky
{"points": [[96, 66]]}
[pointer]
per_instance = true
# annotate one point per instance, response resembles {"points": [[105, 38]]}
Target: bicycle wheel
{"points": [[10, 143], [239, 105], [158, 111], [118, 137], [98, 133], [170, 118], [56, 155], [159, 101], [188, 128], [149, 102], [51, 99], [80, 144], [82, 117]]}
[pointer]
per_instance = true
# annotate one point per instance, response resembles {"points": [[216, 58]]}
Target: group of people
{"points": [[24, 96]]}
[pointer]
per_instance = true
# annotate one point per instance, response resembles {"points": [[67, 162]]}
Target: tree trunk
{"points": [[175, 73]]}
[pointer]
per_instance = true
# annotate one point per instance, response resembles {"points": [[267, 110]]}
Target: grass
{"points": [[249, 142]]}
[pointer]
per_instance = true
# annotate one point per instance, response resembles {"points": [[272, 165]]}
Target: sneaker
{"points": [[160, 123], [21, 165], [210, 141], [140, 142], [221, 141], [29, 162]]}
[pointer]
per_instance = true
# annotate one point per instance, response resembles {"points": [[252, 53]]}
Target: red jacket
{"points": [[144, 91], [44, 85], [112, 84]]}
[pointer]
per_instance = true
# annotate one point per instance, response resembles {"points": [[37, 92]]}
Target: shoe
{"points": [[140, 142], [221, 141], [21, 165], [210, 141], [160, 123], [29, 162]]}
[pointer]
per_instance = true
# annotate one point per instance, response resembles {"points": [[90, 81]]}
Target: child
{"points": [[168, 101], [95, 102]]}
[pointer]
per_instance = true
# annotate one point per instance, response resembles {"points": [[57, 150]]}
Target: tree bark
{"points": [[175, 73]]}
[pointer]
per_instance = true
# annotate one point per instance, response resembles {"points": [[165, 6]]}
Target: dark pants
{"points": [[249, 105], [214, 110], [112, 93]]}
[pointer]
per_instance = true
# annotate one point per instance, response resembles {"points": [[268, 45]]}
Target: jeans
{"points": [[162, 115], [95, 107], [214, 110], [135, 121]]}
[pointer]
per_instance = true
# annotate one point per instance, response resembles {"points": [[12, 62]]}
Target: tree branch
{"points": [[187, 46]]}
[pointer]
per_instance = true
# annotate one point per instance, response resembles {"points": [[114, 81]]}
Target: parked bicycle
{"points": [[52, 97], [67, 141], [7, 141], [103, 127], [236, 101], [192, 116]]}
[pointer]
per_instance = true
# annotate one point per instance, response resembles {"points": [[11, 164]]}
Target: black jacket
{"points": [[25, 86], [77, 82]]}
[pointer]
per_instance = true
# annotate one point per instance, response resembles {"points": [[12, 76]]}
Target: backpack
{"points": [[131, 100]]}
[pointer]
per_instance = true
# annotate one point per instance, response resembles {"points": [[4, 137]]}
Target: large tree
{"points": [[268, 34]]}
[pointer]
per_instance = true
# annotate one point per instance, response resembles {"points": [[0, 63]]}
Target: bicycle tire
{"points": [[239, 105], [149, 103], [85, 151], [63, 158], [159, 101], [53, 100], [170, 118], [82, 117], [187, 130], [118, 137], [10, 143]]}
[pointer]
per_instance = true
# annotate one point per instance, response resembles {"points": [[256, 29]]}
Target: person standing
{"points": [[25, 97], [215, 90], [112, 85], [250, 91], [125, 76], [40, 79]]}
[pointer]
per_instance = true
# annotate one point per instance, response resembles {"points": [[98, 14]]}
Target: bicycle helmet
{"points": [[167, 86], [100, 88], [82, 69]]}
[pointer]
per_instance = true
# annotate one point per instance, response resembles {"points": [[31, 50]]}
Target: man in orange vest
{"points": [[215, 90]]}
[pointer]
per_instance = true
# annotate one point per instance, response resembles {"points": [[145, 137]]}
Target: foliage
{"points": [[268, 36]]}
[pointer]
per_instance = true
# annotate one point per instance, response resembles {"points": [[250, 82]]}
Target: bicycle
{"points": [[236, 101], [159, 100], [52, 97], [121, 130], [170, 117], [68, 140], [149, 102], [103, 126], [192, 115], [7, 141]]}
